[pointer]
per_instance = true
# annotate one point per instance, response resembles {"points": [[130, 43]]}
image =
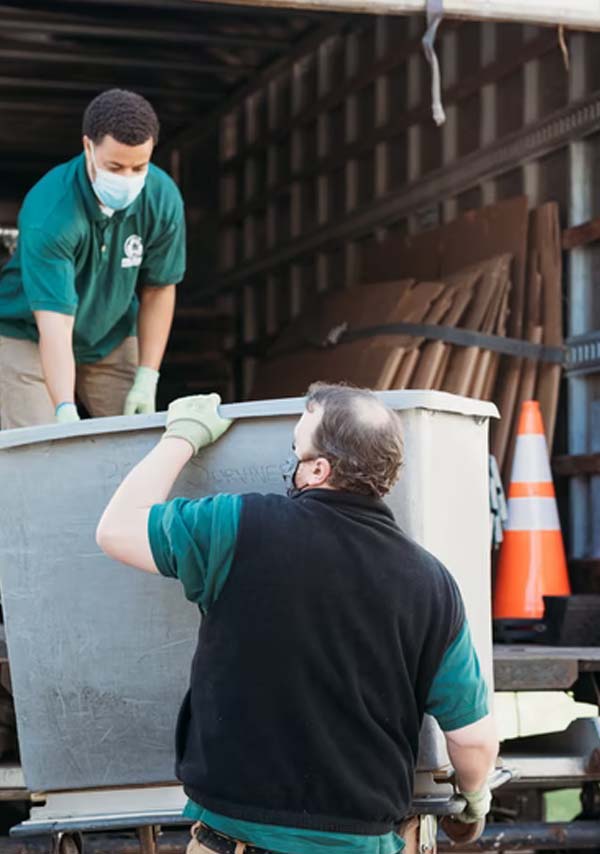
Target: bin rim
{"points": [[434, 401]]}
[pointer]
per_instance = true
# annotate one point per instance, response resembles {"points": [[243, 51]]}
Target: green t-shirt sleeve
{"points": [[48, 271], [194, 541], [459, 694], [164, 256]]}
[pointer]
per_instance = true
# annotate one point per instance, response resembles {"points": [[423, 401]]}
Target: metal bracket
{"points": [[427, 834], [67, 843], [583, 354]]}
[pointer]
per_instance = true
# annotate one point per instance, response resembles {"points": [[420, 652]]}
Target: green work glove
{"points": [[66, 413], [478, 805], [197, 420], [141, 399]]}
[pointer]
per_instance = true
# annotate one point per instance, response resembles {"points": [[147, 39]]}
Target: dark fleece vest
{"points": [[313, 667]]}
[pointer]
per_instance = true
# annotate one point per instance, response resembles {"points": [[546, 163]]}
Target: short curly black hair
{"points": [[124, 115]]}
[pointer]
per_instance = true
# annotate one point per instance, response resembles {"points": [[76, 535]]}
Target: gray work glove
{"points": [[478, 805], [141, 399], [196, 419]]}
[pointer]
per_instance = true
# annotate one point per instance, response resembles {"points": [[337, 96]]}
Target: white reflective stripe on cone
{"points": [[531, 464], [532, 514]]}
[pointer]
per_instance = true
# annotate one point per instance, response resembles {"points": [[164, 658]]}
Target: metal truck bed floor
{"points": [[542, 668]]}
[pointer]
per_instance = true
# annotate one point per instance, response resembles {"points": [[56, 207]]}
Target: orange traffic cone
{"points": [[532, 561]]}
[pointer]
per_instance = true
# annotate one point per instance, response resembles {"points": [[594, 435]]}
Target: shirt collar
{"points": [[350, 499], [90, 201]]}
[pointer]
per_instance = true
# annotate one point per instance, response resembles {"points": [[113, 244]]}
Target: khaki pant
{"points": [[409, 831], [24, 399]]}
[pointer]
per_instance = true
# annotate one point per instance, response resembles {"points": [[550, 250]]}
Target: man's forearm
{"points": [[472, 751], [157, 306], [56, 355], [122, 531], [192, 423], [472, 766]]}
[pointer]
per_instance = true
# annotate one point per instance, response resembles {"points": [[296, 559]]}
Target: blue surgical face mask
{"points": [[116, 191]]}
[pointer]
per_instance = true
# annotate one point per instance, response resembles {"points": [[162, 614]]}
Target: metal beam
{"points": [[577, 14], [38, 84], [86, 58], [127, 31], [536, 836], [195, 5], [41, 107], [73, 108], [304, 46]]}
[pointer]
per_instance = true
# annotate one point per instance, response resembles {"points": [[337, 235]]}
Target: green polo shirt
{"points": [[74, 259], [195, 541]]}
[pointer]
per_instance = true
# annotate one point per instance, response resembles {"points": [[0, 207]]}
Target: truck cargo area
{"points": [[304, 144]]}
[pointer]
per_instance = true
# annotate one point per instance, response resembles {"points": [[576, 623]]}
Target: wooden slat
{"points": [[507, 384], [436, 313], [573, 465], [438, 380], [480, 374], [489, 293], [529, 373], [434, 351], [544, 238], [485, 368], [581, 235], [406, 369], [413, 309], [528, 368], [494, 360]]}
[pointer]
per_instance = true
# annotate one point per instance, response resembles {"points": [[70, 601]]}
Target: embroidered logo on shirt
{"points": [[134, 251]]}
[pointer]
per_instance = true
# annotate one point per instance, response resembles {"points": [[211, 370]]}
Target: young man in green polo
{"points": [[87, 301]]}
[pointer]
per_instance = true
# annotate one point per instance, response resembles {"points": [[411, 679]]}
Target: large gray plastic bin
{"points": [[100, 653]]}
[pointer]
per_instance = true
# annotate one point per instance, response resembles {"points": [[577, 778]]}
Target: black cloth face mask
{"points": [[288, 472]]}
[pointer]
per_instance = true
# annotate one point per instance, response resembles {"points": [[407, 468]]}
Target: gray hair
{"points": [[360, 437]]}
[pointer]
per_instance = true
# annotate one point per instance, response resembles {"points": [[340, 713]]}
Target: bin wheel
{"points": [[460, 832], [68, 843]]}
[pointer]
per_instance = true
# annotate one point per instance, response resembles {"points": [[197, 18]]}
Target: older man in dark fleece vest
{"points": [[326, 635]]}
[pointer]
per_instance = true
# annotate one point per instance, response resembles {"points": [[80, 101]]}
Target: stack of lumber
{"points": [[476, 299], [509, 283]]}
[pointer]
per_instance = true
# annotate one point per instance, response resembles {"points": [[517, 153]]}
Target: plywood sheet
{"points": [[406, 369], [493, 230], [481, 316], [472, 238]]}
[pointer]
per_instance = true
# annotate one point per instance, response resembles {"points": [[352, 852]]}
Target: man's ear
{"points": [[86, 142], [321, 471]]}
